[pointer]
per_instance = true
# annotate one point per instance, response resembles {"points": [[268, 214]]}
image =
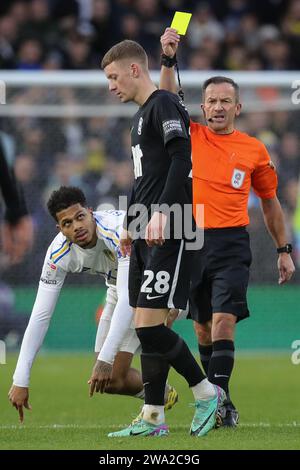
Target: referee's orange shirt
{"points": [[224, 167]]}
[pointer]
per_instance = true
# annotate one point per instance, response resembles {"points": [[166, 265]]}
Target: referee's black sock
{"points": [[205, 355], [221, 363], [164, 341]]}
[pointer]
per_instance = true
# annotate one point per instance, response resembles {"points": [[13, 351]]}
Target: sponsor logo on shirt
{"points": [[174, 125], [51, 271], [237, 178], [48, 281], [52, 266]]}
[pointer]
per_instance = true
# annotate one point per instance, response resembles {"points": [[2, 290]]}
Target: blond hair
{"points": [[125, 50]]}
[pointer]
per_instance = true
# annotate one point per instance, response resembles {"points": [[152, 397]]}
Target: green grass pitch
{"points": [[264, 387]]}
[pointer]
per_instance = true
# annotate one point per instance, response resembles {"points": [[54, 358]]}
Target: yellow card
{"points": [[181, 21]]}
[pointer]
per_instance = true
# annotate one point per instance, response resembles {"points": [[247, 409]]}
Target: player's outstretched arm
{"points": [[19, 396], [100, 378], [169, 43], [33, 339]]}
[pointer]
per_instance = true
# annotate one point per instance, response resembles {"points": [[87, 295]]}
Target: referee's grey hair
{"points": [[216, 81]]}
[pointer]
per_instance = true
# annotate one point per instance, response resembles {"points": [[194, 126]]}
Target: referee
{"points": [[159, 272], [17, 228], [226, 164]]}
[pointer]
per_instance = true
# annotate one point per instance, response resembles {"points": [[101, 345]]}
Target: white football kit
{"points": [[116, 327]]}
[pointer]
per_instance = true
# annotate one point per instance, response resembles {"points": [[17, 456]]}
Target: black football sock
{"points": [[155, 371], [221, 363], [166, 342], [205, 355]]}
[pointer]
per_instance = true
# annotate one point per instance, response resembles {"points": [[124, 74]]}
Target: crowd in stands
{"points": [[94, 153], [223, 34]]}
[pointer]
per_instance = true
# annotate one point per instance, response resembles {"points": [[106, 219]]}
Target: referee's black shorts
{"points": [[159, 277], [220, 274]]}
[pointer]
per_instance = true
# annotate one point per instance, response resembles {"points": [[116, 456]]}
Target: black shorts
{"points": [[220, 274], [159, 277]]}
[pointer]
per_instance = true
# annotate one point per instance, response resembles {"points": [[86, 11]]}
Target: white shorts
{"points": [[130, 342]]}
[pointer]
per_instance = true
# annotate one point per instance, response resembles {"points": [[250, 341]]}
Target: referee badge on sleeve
{"points": [[237, 179]]}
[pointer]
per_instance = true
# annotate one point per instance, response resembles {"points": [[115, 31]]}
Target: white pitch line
{"points": [[116, 426]]}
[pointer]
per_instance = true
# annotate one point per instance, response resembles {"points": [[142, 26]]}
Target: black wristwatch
{"points": [[285, 249]]}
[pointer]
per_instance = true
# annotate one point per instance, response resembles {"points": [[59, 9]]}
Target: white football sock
{"points": [[203, 390], [154, 414]]}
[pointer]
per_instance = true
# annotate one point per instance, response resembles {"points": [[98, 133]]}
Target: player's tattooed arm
{"points": [[19, 396], [100, 378]]}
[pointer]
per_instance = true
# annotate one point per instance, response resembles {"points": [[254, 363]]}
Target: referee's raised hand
{"points": [[169, 42]]}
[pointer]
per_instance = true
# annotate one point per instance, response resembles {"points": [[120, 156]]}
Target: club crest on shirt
{"points": [[237, 179], [50, 272]]}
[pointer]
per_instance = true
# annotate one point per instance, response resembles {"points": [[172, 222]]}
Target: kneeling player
{"points": [[87, 242]]}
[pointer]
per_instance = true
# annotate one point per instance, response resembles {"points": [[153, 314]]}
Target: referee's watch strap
{"points": [[167, 61], [287, 248]]}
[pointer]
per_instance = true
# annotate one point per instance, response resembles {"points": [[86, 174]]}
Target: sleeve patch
{"points": [[171, 126]]}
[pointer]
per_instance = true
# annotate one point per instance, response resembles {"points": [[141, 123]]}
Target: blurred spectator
{"points": [[276, 55], [253, 62], [8, 39], [73, 133], [65, 173], [104, 33], [289, 157], [291, 29], [200, 61], [131, 27], [296, 226], [152, 22], [237, 9], [30, 55], [235, 58], [16, 229], [78, 53], [203, 24], [291, 21], [27, 174], [95, 159], [12, 322], [20, 12], [247, 28], [40, 25]]}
